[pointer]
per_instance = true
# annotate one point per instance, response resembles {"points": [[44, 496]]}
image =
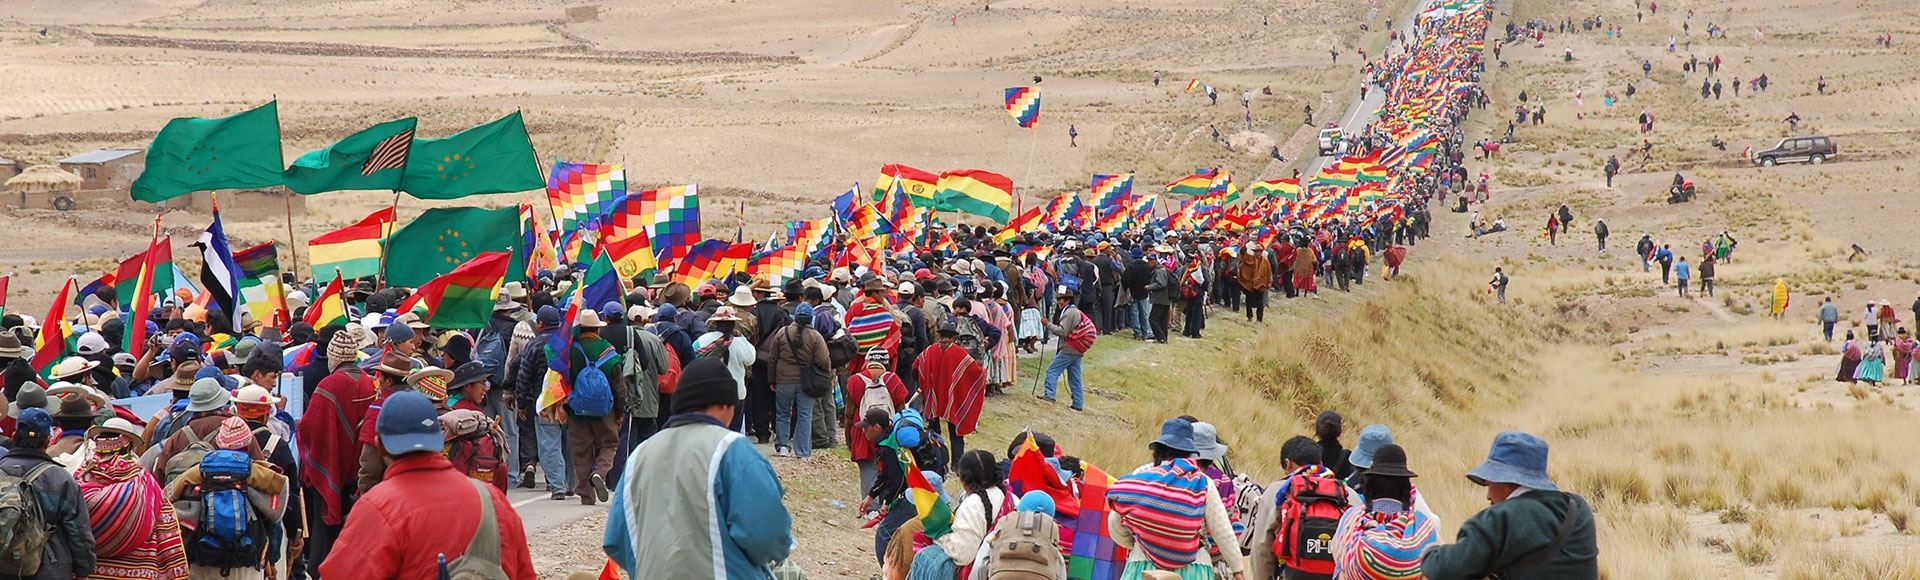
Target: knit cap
{"points": [[233, 434], [706, 382], [344, 348]]}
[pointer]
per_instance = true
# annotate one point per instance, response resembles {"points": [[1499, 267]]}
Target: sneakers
{"points": [[526, 478], [782, 451], [559, 495], [599, 488]]}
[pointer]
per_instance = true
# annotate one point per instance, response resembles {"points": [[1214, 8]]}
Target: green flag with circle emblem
{"points": [[194, 154], [444, 238], [491, 158]]}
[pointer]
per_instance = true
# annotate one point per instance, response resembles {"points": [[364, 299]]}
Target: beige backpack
{"points": [[1026, 547]]}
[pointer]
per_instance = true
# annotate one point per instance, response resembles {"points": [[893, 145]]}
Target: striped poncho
{"points": [[136, 532], [1381, 546], [1164, 506], [872, 325]]}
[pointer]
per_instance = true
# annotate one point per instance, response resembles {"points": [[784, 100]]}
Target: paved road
{"points": [[1362, 110]]}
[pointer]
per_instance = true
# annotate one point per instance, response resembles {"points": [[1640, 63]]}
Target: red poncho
{"points": [[955, 384], [329, 439], [858, 447]]}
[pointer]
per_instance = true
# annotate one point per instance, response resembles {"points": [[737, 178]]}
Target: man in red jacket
{"points": [[423, 509]]}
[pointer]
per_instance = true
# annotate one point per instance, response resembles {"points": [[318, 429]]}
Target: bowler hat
{"points": [[1390, 460], [1516, 458]]}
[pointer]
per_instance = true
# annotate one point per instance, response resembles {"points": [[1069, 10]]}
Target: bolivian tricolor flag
{"points": [[1287, 188], [354, 251], [1200, 183], [929, 507], [1192, 84], [977, 192], [1026, 223], [921, 187], [329, 308]]}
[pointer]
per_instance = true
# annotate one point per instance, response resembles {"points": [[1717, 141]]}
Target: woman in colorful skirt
{"points": [[1162, 512], [1903, 347], [1849, 359], [1384, 537], [1873, 364], [1000, 314]]}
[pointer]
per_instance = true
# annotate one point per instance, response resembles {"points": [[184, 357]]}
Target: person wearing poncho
{"points": [[135, 530], [1384, 537], [955, 386], [1161, 512], [872, 324]]}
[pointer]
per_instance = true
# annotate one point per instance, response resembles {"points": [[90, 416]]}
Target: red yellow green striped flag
{"points": [[462, 298], [931, 509], [329, 308]]}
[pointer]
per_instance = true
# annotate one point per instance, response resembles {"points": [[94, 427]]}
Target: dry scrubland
{"points": [[1711, 438]]}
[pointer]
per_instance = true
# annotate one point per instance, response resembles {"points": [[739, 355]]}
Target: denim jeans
{"points": [[1069, 363], [793, 420], [510, 430], [1137, 314], [554, 455]]}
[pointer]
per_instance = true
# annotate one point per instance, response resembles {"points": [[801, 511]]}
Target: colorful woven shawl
{"points": [[1165, 507], [136, 532], [1381, 546]]}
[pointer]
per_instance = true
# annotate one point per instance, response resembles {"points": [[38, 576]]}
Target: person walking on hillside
{"points": [[1302, 458], [1383, 538], [593, 441], [955, 387], [1829, 316], [1499, 284], [1600, 233], [1664, 256], [697, 499], [1683, 274], [1707, 267], [1073, 136], [418, 514], [1076, 336], [1255, 277], [1902, 347], [795, 351], [1777, 307], [1612, 168], [328, 448], [1644, 249], [1528, 515], [1850, 355], [1873, 364]]}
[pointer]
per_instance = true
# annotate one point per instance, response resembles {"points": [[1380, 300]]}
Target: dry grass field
{"points": [[1711, 438]]}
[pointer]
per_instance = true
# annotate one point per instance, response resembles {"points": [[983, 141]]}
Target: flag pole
{"points": [[293, 246], [386, 238]]}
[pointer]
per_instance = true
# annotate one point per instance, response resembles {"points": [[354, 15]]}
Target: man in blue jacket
{"points": [[695, 483]]}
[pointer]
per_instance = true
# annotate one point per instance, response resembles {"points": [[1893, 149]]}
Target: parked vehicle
{"points": [[1332, 141], [1815, 149]]}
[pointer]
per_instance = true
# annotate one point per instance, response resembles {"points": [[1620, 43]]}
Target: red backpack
{"points": [[1082, 336], [1309, 516], [670, 380]]}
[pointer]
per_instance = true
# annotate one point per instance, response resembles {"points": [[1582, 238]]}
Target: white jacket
{"points": [[970, 525]]}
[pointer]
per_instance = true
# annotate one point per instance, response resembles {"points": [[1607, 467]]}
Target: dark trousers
{"points": [[320, 536], [1257, 305], [759, 406], [1196, 318], [1230, 295], [1159, 320], [883, 533], [529, 445], [633, 432], [956, 445], [1103, 314]]}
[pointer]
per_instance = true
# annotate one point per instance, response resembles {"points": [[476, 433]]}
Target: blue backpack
{"points": [[230, 534], [592, 394], [1069, 279]]}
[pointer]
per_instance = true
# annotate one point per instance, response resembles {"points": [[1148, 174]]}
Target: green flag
{"points": [[491, 158], [444, 238], [371, 159], [193, 154]]}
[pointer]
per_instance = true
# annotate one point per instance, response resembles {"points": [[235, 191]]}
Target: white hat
{"points": [[724, 313], [742, 297], [255, 395], [297, 299], [588, 319], [72, 366], [906, 288], [91, 343], [638, 312]]}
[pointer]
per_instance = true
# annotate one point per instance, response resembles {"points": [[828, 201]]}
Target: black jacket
{"points": [[1136, 277], [69, 550]]}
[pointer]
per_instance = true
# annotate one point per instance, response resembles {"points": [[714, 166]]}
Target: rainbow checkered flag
{"points": [[1094, 556], [1023, 103]]}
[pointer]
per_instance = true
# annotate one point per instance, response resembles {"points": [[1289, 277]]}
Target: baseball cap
{"points": [[548, 315], [408, 423]]}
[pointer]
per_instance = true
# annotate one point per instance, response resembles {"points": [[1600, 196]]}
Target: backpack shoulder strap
{"points": [[36, 471], [273, 441], [485, 544]]}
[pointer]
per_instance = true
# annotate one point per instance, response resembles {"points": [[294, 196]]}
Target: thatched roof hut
{"points": [[44, 178]]}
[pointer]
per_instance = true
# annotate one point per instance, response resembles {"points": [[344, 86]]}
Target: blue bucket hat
{"points": [[1177, 434], [1516, 458], [1371, 438]]}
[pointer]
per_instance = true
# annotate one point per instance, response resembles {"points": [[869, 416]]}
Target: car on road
{"points": [[1332, 142], [1815, 149]]}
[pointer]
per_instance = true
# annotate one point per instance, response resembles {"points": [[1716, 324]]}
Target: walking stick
{"points": [[1043, 370]]}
